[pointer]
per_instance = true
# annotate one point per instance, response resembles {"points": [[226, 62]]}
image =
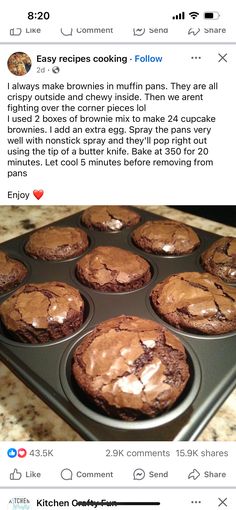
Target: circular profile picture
{"points": [[19, 63]]}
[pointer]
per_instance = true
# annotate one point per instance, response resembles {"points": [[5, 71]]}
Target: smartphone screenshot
{"points": [[117, 255]]}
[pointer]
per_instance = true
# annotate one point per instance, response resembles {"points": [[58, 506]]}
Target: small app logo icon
{"points": [[22, 453], [12, 453], [19, 504]]}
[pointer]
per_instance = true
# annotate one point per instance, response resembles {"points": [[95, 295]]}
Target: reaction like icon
{"points": [[16, 475]]}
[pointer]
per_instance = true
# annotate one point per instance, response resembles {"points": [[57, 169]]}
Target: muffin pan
{"points": [[46, 369]]}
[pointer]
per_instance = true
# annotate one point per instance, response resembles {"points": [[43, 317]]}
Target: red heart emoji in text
{"points": [[38, 193]]}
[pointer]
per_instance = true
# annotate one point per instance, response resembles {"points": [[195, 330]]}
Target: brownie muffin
{"points": [[109, 217], [57, 243], [12, 273], [131, 368], [197, 302], [40, 312], [107, 268], [220, 259], [166, 237]]}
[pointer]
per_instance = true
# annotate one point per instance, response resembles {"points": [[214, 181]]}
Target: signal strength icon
{"points": [[181, 15], [194, 14]]}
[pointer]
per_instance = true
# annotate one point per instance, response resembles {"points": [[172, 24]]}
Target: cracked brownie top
{"points": [[109, 217], [57, 243], [196, 301], [107, 268], [131, 367], [220, 259], [43, 311], [166, 237], [12, 272]]}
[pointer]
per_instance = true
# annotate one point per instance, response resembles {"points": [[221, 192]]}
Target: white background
{"points": [[117, 185]]}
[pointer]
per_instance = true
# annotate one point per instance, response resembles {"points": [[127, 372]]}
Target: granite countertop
{"points": [[23, 416]]}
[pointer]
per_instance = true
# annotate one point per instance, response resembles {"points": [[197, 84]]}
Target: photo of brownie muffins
{"points": [[12, 272], [41, 312], [109, 217], [196, 302], [19, 63], [57, 243], [131, 368], [220, 259], [111, 269], [166, 237]]}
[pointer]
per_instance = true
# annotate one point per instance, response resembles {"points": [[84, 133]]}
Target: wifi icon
{"points": [[194, 14]]}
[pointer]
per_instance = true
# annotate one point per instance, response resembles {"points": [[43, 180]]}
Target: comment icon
{"points": [[66, 474]]}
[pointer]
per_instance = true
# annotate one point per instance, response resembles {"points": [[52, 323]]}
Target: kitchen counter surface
{"points": [[23, 416]]}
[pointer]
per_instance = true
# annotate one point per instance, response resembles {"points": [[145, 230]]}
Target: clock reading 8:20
{"points": [[38, 15]]}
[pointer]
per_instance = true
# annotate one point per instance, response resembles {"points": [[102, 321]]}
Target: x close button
{"points": [[222, 57], [222, 502]]}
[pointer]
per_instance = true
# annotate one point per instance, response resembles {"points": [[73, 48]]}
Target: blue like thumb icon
{"points": [[12, 452]]}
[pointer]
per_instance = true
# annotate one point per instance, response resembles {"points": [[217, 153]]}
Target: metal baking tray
{"points": [[46, 369]]}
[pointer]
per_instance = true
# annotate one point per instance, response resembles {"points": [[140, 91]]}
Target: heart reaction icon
{"points": [[38, 193], [22, 453]]}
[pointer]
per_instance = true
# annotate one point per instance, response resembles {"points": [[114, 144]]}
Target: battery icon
{"points": [[211, 15]]}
